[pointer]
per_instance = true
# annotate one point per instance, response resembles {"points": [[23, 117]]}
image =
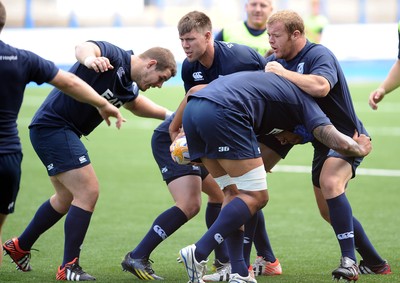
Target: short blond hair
{"points": [[194, 20], [164, 57], [290, 19]]}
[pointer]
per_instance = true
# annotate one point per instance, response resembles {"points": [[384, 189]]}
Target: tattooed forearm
{"points": [[332, 138]]}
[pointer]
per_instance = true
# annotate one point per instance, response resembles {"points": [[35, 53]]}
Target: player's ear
{"points": [[296, 34], [208, 35], [152, 62]]}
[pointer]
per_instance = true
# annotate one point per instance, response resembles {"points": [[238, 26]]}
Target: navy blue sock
{"points": [[163, 226], [364, 246], [342, 223], [249, 230], [75, 228], [261, 240], [235, 247], [212, 212], [231, 218], [45, 217]]}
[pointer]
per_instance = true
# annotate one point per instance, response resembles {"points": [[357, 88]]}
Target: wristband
{"points": [[168, 114]]}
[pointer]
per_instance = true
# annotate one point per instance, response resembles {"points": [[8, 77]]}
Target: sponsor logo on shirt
{"points": [[198, 76], [113, 100], [8, 57]]}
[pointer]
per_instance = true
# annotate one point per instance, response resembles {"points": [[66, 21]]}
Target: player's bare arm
{"points": [[176, 123], [391, 82], [358, 146], [89, 55], [144, 107], [81, 91], [316, 86]]}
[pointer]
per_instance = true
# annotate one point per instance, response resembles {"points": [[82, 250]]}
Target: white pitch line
{"points": [[360, 171]]}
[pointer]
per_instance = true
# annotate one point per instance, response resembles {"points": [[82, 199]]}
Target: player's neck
{"points": [[208, 57]]}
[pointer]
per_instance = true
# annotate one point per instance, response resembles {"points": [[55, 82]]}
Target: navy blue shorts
{"points": [[59, 149], [217, 132], [321, 153], [170, 170], [10, 177]]}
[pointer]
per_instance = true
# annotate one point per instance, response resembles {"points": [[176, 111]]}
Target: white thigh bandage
{"points": [[254, 180], [224, 181]]}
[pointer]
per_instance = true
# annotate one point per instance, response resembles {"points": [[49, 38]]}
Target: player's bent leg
{"points": [[212, 189], [62, 199], [321, 203], [335, 175], [82, 183], [186, 192], [253, 188], [215, 200]]}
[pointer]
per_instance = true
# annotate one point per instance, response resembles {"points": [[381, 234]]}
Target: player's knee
{"points": [[191, 212], [190, 209], [332, 183]]}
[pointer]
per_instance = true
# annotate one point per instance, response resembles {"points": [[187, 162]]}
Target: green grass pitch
{"points": [[132, 194]]}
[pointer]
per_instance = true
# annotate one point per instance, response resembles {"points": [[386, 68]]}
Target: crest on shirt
{"points": [[198, 76], [228, 44], [300, 68]]}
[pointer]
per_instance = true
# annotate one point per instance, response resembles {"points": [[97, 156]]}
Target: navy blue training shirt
{"points": [[193, 73], [18, 67], [115, 85], [271, 102], [316, 59]]}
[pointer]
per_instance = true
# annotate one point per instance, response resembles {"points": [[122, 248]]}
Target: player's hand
{"points": [[175, 134], [178, 135], [98, 64], [275, 67], [364, 143], [375, 97], [108, 110]]}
